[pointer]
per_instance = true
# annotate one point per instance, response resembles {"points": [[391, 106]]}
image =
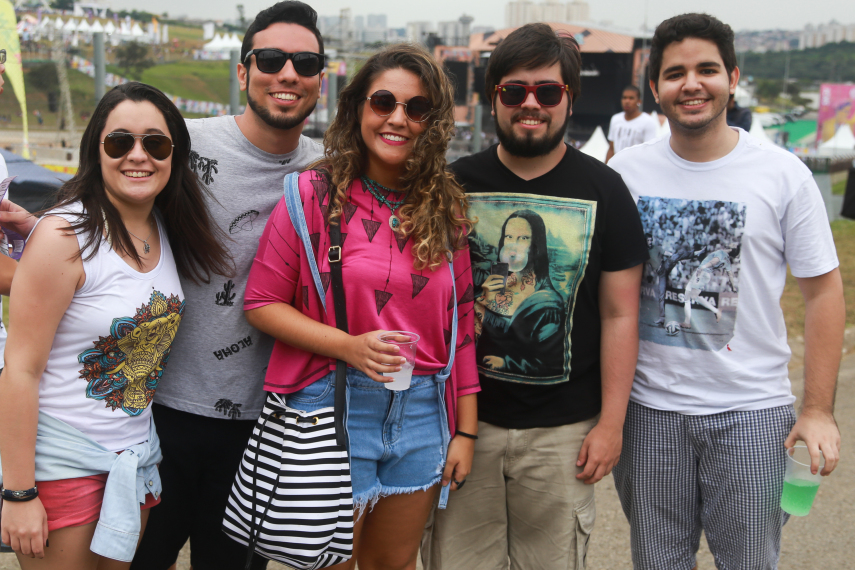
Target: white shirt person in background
{"points": [[630, 127]]}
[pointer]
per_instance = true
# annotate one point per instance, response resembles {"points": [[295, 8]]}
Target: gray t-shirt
{"points": [[218, 360]]}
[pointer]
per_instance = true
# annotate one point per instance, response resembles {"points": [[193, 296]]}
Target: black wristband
{"points": [[464, 434], [19, 496]]}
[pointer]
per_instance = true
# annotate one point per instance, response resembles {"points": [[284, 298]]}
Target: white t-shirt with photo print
{"points": [[758, 206]]}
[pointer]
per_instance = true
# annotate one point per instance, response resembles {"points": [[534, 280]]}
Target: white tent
{"points": [[597, 146], [96, 27], [109, 28], [843, 142], [84, 27], [58, 24], [223, 43], [70, 26], [136, 31], [757, 130]]}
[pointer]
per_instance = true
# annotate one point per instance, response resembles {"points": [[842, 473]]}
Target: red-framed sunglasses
{"points": [[546, 94]]}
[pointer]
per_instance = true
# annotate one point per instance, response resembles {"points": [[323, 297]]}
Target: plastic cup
{"points": [[800, 485], [407, 343], [16, 244]]}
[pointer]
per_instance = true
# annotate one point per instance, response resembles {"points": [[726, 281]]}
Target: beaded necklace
{"points": [[375, 187]]}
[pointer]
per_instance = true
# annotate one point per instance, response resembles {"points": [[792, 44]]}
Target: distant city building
{"points": [[578, 12], [761, 41], [455, 33], [481, 29], [419, 31], [830, 33], [376, 21], [521, 12]]}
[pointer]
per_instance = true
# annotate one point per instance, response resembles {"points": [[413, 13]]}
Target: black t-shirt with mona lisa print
{"points": [[537, 253]]}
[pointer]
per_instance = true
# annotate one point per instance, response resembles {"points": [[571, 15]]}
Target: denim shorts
{"points": [[398, 439]]}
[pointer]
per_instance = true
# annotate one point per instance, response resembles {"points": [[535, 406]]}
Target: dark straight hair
{"points": [[196, 241], [533, 46], [700, 26], [632, 88], [288, 12]]}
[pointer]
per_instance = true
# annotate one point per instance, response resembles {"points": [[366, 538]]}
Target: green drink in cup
{"points": [[800, 485]]}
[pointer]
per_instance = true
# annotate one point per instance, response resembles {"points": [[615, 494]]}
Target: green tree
{"points": [[132, 58], [767, 89]]}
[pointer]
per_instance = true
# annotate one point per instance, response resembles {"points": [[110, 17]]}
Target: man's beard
{"points": [[529, 147], [284, 122]]}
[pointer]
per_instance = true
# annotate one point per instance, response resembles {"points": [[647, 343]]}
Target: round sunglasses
{"points": [[546, 94], [383, 103], [117, 145], [272, 60]]}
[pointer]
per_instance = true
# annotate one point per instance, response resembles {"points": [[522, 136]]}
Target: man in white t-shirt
{"points": [[630, 127], [711, 409]]}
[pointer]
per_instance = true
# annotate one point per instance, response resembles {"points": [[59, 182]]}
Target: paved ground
{"points": [[821, 540]]}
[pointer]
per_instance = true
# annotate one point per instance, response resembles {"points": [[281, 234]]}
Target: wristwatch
{"points": [[19, 496]]}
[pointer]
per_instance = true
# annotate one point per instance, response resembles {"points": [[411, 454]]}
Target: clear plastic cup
{"points": [[800, 485], [407, 343]]}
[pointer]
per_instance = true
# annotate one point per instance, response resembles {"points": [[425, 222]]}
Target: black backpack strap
{"points": [[335, 258]]}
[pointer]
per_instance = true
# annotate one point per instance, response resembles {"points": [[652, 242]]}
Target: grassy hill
{"points": [[201, 80]]}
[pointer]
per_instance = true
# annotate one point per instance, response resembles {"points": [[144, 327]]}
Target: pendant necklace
{"points": [[374, 188], [146, 247]]}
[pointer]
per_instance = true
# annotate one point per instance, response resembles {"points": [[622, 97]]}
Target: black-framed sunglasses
{"points": [[117, 145], [383, 103], [2, 56], [546, 94], [272, 60]]}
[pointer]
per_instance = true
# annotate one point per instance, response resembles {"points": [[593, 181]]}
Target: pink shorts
{"points": [[75, 502]]}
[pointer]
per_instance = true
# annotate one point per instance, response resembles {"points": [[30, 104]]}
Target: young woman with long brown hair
{"points": [[402, 218], [95, 305]]}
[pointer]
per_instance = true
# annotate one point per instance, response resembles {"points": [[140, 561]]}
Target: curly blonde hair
{"points": [[435, 209]]}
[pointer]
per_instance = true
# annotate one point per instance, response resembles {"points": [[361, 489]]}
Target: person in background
{"points": [[738, 116], [96, 303], [7, 264], [630, 127]]}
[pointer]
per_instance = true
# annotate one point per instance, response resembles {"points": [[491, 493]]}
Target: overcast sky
{"points": [[740, 14]]}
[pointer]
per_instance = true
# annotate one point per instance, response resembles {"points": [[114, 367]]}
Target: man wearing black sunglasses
{"points": [[216, 367], [556, 259]]}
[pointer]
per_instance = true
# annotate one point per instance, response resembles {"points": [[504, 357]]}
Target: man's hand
{"points": [[820, 433], [16, 218], [600, 452]]}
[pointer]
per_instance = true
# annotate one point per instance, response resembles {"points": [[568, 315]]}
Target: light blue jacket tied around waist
{"points": [[64, 452]]}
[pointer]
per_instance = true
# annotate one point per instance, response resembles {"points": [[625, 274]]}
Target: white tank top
{"points": [[112, 345]]}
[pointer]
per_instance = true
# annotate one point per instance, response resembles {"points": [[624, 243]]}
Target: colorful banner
{"points": [[14, 71], [836, 108]]}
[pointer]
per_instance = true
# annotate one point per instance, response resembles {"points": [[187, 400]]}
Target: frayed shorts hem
{"points": [[365, 501]]}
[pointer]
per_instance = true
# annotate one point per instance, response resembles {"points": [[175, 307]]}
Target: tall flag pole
{"points": [[14, 70]]}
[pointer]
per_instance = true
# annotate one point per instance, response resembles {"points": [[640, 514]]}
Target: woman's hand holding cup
{"points": [[373, 357]]}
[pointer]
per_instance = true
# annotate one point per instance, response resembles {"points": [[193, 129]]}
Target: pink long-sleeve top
{"points": [[382, 290]]}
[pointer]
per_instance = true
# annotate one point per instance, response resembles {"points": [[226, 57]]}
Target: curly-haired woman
{"points": [[402, 217]]}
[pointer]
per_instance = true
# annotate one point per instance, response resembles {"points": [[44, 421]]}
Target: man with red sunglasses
{"points": [[556, 258], [214, 392]]}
